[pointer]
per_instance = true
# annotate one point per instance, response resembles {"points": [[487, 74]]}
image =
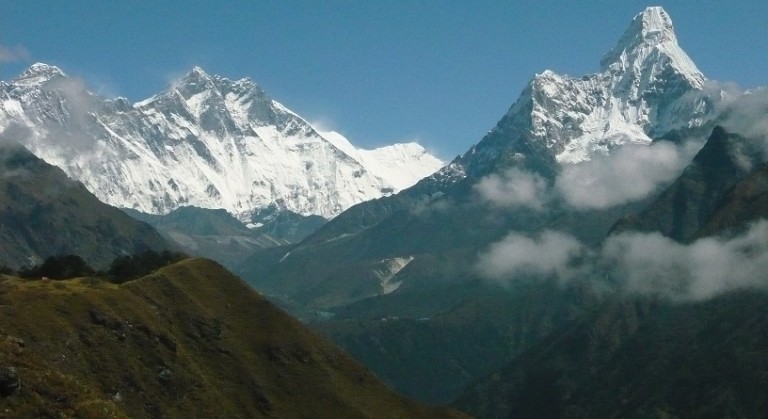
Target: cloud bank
{"points": [[637, 263], [654, 264], [630, 173], [748, 115]]}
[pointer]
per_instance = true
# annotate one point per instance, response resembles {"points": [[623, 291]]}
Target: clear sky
{"points": [[441, 72]]}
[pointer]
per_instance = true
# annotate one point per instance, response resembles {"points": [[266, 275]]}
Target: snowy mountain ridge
{"points": [[647, 86], [392, 163], [206, 141]]}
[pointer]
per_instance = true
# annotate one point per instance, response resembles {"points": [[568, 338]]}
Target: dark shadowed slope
{"points": [[44, 213], [633, 359], [686, 206], [746, 202]]}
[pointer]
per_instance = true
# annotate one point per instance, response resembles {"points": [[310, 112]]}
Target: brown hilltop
{"points": [[190, 340]]}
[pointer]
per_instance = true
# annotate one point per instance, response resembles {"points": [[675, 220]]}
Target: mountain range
{"points": [[601, 252], [206, 141], [648, 86], [579, 190]]}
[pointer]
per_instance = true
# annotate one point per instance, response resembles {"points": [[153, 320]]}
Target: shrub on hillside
{"points": [[59, 267], [125, 268]]}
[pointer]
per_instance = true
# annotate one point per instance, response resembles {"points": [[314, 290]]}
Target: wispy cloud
{"points": [[173, 78], [653, 264], [13, 54], [748, 115], [324, 124], [550, 253], [636, 263], [628, 174], [15, 133], [79, 106], [513, 188]]}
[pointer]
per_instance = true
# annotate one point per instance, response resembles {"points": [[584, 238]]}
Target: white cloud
{"points": [[324, 124], [173, 78], [637, 263], [551, 253], [630, 173], [15, 133], [653, 264], [514, 188], [78, 104], [646, 263], [13, 54], [748, 116]]}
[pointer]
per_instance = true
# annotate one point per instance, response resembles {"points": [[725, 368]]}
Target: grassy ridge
{"points": [[190, 340]]}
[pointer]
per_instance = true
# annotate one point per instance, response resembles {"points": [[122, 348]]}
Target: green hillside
{"points": [[190, 340]]}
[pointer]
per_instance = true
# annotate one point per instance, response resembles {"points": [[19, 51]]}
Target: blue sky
{"points": [[441, 72]]}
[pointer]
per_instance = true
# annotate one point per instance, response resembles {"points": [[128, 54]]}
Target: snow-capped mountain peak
{"points": [[647, 86], [37, 74], [650, 39], [390, 163], [655, 20], [197, 71], [651, 26], [42, 69], [206, 141]]}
